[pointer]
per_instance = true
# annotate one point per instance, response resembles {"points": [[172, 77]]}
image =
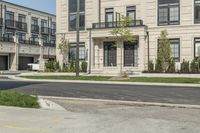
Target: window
{"points": [[196, 11], [22, 18], [34, 21], [72, 51], [73, 12], [130, 54], [43, 23], [21, 37], [9, 15], [34, 39], [109, 17], [53, 26], [45, 39], [110, 54], [197, 48], [8, 37], [175, 49], [168, 12], [131, 12]]}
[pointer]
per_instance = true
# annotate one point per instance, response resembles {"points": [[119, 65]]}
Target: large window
{"points": [[110, 54], [175, 49], [21, 37], [130, 54], [168, 12], [21, 18], [196, 11], [197, 48], [73, 12], [72, 51]]}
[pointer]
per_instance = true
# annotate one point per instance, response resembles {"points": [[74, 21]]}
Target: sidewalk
{"points": [[98, 117], [105, 82]]}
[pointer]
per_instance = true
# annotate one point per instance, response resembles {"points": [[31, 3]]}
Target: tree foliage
{"points": [[164, 50], [63, 45]]}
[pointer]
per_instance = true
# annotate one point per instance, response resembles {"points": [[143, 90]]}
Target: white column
{"points": [[141, 53], [41, 58], [15, 56]]}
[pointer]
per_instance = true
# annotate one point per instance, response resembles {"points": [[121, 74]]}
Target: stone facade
{"points": [[148, 32], [23, 41]]}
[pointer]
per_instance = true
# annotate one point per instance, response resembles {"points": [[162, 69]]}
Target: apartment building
{"points": [[181, 19], [26, 36]]}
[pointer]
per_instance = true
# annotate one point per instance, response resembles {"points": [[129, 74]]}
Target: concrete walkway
{"points": [[99, 117]]}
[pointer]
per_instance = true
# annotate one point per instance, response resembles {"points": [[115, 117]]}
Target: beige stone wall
{"points": [[146, 10]]}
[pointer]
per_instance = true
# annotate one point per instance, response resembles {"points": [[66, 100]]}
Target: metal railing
{"points": [[10, 23], [21, 26], [104, 25], [45, 30]]}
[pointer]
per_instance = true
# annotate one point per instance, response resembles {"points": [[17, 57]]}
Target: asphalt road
{"points": [[161, 94]]}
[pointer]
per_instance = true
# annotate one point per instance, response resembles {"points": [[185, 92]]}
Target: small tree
{"points": [[64, 48], [164, 50], [122, 33]]}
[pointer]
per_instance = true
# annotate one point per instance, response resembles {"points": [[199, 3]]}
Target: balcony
{"points": [[105, 25], [6, 39], [35, 29], [21, 26], [46, 44], [45, 30]]}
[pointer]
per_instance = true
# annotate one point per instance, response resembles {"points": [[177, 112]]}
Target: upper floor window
{"points": [[22, 18], [34, 21], [168, 12], [109, 17], [9, 15], [43, 23], [196, 11], [73, 13], [131, 12]]}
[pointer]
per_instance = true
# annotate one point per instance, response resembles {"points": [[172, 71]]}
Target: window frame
{"points": [[196, 21], [81, 45], [81, 13], [135, 49], [127, 11], [168, 18], [104, 57], [195, 46]]}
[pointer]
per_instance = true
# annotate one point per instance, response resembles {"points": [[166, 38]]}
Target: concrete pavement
{"points": [[99, 117]]}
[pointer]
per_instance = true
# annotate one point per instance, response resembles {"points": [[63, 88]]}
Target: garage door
{"points": [[3, 62], [24, 61]]}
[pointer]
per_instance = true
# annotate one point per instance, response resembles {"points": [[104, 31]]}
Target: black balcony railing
{"points": [[6, 39], [45, 30], [34, 28], [46, 44], [10, 23], [21, 26], [104, 25]]}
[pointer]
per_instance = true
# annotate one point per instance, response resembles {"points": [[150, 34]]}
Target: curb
{"points": [[49, 105], [106, 82], [130, 103]]}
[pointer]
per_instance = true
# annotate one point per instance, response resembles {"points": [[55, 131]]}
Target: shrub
{"points": [[52, 66], [72, 66], [194, 66], [158, 66], [185, 67], [150, 66], [84, 66], [172, 67]]}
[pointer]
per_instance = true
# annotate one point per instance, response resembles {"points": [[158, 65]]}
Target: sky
{"points": [[42, 5]]}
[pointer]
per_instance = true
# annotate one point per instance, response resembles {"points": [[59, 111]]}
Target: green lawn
{"points": [[8, 98], [135, 79]]}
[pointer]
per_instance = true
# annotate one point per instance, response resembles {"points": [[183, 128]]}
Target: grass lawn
{"points": [[135, 79], [8, 98]]}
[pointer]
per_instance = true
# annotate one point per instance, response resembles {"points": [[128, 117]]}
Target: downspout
{"points": [[148, 52], [99, 11], [90, 51]]}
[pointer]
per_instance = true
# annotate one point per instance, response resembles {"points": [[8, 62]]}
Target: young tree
{"points": [[123, 33], [64, 48], [164, 50]]}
